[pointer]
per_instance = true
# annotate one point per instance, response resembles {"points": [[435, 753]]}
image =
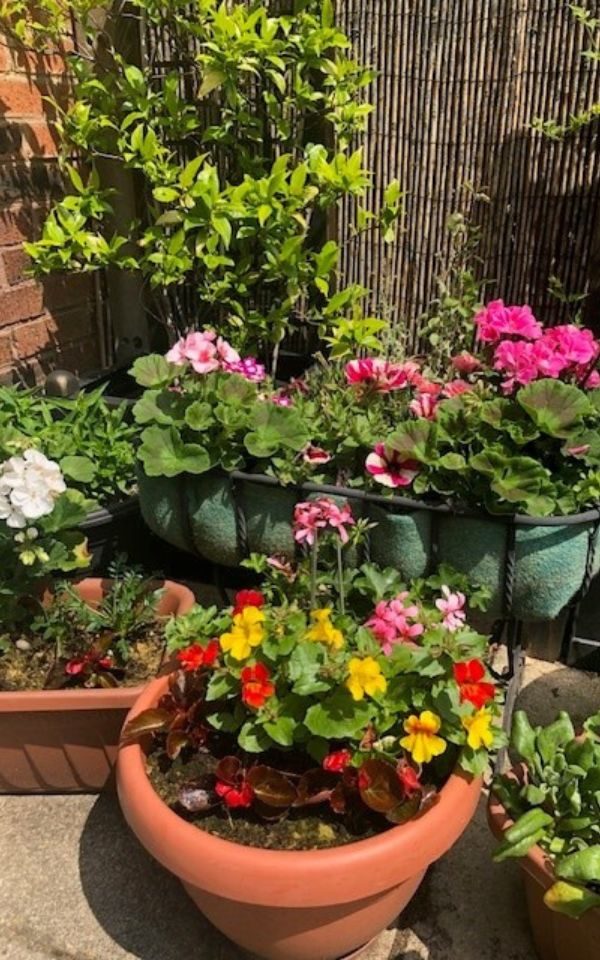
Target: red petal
{"points": [[477, 693]]}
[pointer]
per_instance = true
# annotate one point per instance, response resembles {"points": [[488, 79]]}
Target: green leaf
{"points": [[415, 440], [165, 194], [153, 371], [570, 899], [274, 428], [517, 480], [556, 735], [582, 866], [164, 454], [523, 738], [504, 415], [199, 415], [253, 738], [327, 13], [339, 717], [222, 685], [81, 469], [210, 81], [554, 406], [282, 730]]}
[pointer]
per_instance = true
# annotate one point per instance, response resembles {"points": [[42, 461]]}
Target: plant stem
{"points": [[341, 578], [313, 572]]}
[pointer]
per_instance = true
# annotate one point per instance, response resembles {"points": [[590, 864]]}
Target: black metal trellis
{"points": [[508, 629]]}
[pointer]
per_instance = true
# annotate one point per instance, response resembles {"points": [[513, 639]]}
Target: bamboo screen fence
{"points": [[459, 82]]}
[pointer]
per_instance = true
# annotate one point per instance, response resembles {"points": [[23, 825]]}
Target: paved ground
{"points": [[76, 885]]}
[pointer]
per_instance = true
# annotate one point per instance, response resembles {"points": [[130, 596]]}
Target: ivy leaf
{"points": [[153, 371], [164, 454], [554, 406], [275, 428]]}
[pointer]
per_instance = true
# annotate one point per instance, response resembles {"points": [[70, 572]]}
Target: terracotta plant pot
{"points": [[65, 741], [288, 905], [556, 936]]}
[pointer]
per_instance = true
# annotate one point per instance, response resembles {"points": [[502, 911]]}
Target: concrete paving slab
{"points": [[76, 885]]}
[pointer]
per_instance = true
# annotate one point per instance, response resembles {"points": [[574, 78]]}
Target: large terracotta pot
{"points": [[284, 905], [65, 741], [556, 936]]}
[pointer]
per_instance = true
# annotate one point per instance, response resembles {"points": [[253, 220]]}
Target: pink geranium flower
{"points": [[314, 515], [496, 320], [451, 605], [376, 374], [516, 359], [226, 353], [282, 399], [456, 387], [592, 382], [390, 622], [465, 363], [549, 358], [198, 349], [424, 405], [425, 386], [387, 467]]}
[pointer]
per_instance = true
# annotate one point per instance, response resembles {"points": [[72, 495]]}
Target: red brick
{"points": [[16, 262], [25, 139], [21, 302], [5, 57], [34, 337], [31, 61], [5, 349], [16, 224], [24, 96]]}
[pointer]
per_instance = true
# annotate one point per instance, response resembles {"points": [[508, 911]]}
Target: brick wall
{"points": [[52, 324]]}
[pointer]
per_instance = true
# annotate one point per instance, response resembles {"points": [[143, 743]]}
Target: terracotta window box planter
{"points": [[556, 936], [292, 905], [65, 741]]}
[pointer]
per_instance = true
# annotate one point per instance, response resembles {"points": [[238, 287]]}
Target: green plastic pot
{"points": [[198, 514]]}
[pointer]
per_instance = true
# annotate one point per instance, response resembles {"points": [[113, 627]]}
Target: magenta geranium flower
{"points": [[314, 515], [516, 359], [377, 374], [249, 368], [577, 345], [387, 467], [496, 320], [390, 624]]}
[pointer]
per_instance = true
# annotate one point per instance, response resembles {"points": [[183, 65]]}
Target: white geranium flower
{"points": [[29, 487]]}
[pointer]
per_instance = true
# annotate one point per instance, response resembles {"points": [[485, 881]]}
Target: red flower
{"points": [[78, 664], [468, 677], [409, 778], [256, 685], [247, 598], [235, 796], [196, 657], [364, 780], [338, 761]]}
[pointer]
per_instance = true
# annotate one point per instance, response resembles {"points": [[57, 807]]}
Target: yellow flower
{"points": [[247, 632], [323, 631], [422, 742], [478, 727], [365, 677]]}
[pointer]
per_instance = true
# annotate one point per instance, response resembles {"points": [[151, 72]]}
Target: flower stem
{"points": [[341, 578], [313, 572]]}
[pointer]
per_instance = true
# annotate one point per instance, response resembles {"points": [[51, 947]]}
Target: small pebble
{"points": [[22, 644]]}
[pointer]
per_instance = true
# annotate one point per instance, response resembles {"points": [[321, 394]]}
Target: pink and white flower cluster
{"points": [[378, 375], [393, 622], [314, 515], [524, 351], [452, 606], [205, 352], [389, 468]]}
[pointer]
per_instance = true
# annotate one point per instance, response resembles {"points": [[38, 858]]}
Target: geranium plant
{"points": [[554, 801], [514, 427], [331, 686]]}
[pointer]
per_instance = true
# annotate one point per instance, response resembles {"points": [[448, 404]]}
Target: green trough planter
{"points": [[198, 514]]}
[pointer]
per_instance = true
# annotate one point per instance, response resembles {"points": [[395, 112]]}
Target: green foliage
{"points": [[266, 122], [91, 441], [557, 806]]}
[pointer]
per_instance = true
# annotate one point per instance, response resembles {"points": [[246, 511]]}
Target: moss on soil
{"points": [[312, 828], [31, 669]]}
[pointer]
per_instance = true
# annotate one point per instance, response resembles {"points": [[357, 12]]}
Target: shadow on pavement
{"points": [[141, 906]]}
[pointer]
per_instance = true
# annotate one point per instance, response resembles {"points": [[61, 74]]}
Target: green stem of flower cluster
{"points": [[340, 566], [313, 572]]}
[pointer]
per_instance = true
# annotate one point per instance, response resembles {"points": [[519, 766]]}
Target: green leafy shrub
{"points": [[556, 805]]}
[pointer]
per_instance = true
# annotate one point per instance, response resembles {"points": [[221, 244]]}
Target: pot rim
{"points": [[112, 511], [294, 877], [535, 862], [38, 701]]}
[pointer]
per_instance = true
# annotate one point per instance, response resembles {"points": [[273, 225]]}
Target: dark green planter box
{"points": [[198, 514]]}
